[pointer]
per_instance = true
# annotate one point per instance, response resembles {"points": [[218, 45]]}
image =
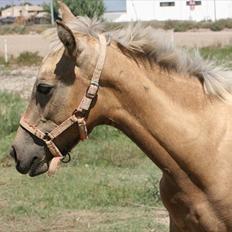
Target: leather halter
{"points": [[79, 115]]}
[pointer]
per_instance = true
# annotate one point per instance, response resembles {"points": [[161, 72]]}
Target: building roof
{"points": [[25, 7]]}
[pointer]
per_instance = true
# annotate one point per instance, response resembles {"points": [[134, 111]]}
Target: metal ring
{"points": [[47, 137], [66, 159]]}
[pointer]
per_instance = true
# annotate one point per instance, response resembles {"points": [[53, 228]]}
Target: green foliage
{"points": [[2, 60], [80, 187], [179, 26], [185, 25], [90, 8], [88, 182], [221, 24], [28, 58], [101, 182], [5, 143], [217, 26], [222, 55], [23, 29], [11, 29], [11, 107], [24, 59], [107, 147], [4, 7]]}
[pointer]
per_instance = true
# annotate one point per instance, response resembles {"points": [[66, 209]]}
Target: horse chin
{"points": [[38, 168]]}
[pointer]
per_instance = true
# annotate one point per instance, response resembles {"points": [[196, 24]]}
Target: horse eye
{"points": [[44, 89]]}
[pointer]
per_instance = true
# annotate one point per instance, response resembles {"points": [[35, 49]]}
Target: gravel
{"points": [[19, 80]]}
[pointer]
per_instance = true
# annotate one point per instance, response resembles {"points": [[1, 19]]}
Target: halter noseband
{"points": [[80, 113]]}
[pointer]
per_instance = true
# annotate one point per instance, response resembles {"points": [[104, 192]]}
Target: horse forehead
{"points": [[50, 62]]}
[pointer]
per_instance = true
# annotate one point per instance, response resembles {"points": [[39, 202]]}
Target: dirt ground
{"points": [[19, 43], [18, 80], [90, 221]]}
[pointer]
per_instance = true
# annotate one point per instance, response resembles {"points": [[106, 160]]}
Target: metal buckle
{"points": [[94, 83], [92, 90]]}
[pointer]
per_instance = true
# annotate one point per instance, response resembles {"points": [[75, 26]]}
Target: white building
{"points": [[131, 10], [25, 11]]}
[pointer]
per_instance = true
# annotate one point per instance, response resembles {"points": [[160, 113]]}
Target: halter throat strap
{"points": [[79, 115]]}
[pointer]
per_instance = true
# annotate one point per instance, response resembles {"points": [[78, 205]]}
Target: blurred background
{"points": [[109, 185]]}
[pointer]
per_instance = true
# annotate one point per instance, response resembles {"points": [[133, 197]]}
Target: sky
{"points": [[111, 5], [9, 2]]}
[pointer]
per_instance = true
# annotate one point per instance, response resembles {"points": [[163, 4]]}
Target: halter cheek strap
{"points": [[78, 117]]}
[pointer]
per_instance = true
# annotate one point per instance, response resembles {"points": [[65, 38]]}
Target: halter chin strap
{"points": [[79, 115]]}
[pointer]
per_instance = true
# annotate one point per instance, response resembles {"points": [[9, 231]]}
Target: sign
{"points": [[192, 4]]}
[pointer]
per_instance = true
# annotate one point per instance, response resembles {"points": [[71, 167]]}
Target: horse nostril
{"points": [[13, 153]]}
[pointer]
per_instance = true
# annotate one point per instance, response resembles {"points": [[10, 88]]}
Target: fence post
{"points": [[172, 37], [6, 51]]}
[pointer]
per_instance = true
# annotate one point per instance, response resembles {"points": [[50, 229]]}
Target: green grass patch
{"points": [[23, 29], [106, 173], [181, 25], [24, 59], [186, 25], [107, 147], [11, 107], [28, 58], [217, 53], [12, 29], [176, 25], [80, 187]]}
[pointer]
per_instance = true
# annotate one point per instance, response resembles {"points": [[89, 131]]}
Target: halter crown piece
{"points": [[78, 117]]}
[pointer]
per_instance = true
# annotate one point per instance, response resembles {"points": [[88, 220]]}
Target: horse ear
{"points": [[65, 12], [67, 38]]}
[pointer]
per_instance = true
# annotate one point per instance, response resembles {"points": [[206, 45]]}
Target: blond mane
{"points": [[154, 45]]}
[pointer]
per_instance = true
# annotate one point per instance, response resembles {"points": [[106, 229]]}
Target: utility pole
{"points": [[52, 12], [215, 10], [12, 6]]}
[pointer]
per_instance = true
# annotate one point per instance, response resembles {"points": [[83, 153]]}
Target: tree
{"points": [[25, 3], [5, 7], [91, 8]]}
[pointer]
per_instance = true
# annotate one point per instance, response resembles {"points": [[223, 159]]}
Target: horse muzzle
{"points": [[33, 166]]}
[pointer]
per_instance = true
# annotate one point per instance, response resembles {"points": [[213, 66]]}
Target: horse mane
{"points": [[155, 45]]}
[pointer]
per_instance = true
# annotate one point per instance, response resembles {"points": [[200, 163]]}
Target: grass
{"points": [[101, 198], [28, 59], [22, 29], [218, 53], [185, 25], [81, 187], [109, 178], [24, 59], [11, 107], [182, 25], [176, 25]]}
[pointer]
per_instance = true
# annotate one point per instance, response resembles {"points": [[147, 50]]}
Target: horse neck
{"points": [[159, 110]]}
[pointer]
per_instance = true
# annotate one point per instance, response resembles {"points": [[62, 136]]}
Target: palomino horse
{"points": [[173, 106]]}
